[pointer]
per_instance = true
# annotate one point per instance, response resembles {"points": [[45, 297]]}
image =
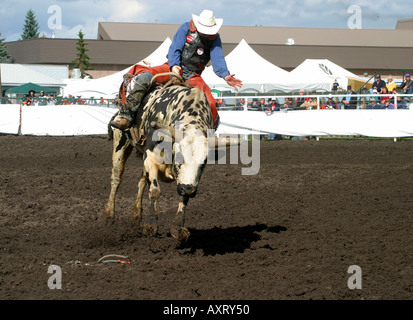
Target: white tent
{"points": [[319, 74], [256, 73], [107, 87]]}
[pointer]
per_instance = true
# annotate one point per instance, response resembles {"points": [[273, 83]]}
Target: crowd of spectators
{"points": [[43, 99], [384, 95]]}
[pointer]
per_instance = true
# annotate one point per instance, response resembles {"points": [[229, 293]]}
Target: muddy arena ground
{"points": [[290, 232]]}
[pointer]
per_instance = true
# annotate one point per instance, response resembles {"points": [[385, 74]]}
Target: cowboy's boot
{"points": [[127, 111]]}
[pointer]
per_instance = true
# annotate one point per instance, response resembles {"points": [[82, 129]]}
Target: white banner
{"points": [[9, 118], [68, 120], [61, 120], [371, 123]]}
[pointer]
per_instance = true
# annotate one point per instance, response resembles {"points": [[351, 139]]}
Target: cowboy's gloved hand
{"points": [[177, 70]]}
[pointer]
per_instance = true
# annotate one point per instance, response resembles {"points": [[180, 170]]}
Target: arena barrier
{"points": [[386, 123], [69, 120], [64, 120]]}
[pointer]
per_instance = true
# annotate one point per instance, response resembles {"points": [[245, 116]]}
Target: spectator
{"points": [[289, 104], [69, 100], [80, 100], [350, 102], [43, 99], [390, 85], [407, 85], [272, 106], [374, 104], [93, 100], [30, 98], [300, 100], [330, 104], [6, 100], [334, 88], [220, 103], [240, 105], [310, 103], [388, 104], [376, 95], [261, 104], [102, 101], [254, 104], [384, 95], [52, 100], [401, 103], [379, 83]]}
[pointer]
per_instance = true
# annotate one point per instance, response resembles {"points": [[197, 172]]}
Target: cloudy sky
{"points": [[66, 17]]}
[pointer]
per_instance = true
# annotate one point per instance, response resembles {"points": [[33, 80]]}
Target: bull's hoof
{"points": [[180, 233], [136, 219], [149, 230], [107, 219]]}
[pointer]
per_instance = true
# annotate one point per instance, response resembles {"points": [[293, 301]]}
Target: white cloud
{"points": [[86, 14], [125, 10]]}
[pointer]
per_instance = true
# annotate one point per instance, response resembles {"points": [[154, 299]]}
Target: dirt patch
{"points": [[289, 232]]}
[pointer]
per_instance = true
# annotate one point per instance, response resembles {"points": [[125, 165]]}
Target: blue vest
{"points": [[196, 51]]}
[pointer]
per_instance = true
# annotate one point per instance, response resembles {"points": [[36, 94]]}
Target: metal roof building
{"points": [[119, 45], [50, 76]]}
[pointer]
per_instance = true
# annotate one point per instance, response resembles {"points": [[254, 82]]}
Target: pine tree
{"points": [[31, 27], [4, 55], [82, 61]]}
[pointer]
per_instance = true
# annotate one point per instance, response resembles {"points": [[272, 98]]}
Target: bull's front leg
{"points": [[121, 151], [150, 220], [177, 228], [136, 214]]}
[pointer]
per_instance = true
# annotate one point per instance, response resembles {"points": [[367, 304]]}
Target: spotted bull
{"points": [[179, 117]]}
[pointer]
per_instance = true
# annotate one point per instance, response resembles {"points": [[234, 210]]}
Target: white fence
{"points": [[316, 121], [68, 120]]}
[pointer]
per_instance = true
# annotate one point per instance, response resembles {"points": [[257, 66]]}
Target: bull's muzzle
{"points": [[187, 190]]}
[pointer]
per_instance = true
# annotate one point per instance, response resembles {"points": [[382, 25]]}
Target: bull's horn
{"points": [[224, 141], [158, 125]]}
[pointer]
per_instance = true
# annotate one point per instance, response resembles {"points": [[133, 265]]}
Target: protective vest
{"points": [[196, 51]]}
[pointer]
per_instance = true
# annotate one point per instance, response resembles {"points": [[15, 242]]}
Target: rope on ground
{"points": [[114, 258]]}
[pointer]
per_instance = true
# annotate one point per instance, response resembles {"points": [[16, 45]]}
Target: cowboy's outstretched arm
{"points": [[233, 82]]}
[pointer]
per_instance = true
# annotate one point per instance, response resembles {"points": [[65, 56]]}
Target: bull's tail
{"points": [[110, 130]]}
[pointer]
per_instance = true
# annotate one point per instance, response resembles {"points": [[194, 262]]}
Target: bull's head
{"points": [[189, 156]]}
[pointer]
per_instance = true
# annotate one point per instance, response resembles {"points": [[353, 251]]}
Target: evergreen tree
{"points": [[31, 27], [82, 61], [4, 55]]}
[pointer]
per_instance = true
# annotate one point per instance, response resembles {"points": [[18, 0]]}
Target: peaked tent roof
{"points": [[319, 74], [25, 88], [108, 86], [248, 66]]}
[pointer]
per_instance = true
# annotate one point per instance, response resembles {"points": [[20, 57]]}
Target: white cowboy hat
{"points": [[206, 23]]}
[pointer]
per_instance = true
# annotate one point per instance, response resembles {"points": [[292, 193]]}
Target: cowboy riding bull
{"points": [[175, 147], [189, 110]]}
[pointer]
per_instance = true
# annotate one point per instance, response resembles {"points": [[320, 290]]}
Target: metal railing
{"points": [[230, 102], [318, 102], [39, 101]]}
